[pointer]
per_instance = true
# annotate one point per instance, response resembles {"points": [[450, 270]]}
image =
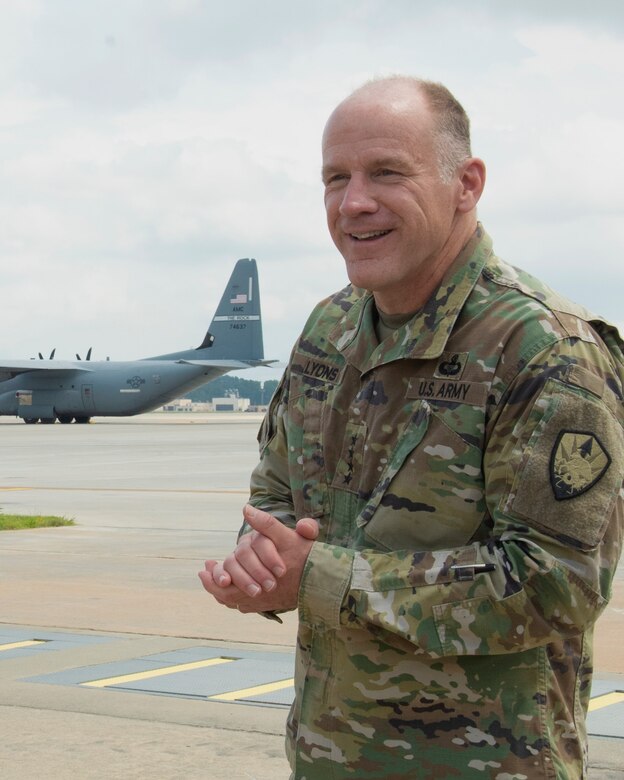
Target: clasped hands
{"points": [[263, 572]]}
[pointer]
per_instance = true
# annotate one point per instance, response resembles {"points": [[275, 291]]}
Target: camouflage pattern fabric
{"points": [[466, 474]]}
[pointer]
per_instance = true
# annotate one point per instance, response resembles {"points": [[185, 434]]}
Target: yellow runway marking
{"points": [[606, 700], [257, 690], [124, 678], [25, 643]]}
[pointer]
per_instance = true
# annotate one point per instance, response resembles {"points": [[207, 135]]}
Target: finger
{"points": [[248, 537], [267, 553], [267, 525], [252, 559], [220, 576], [308, 528], [207, 580], [242, 579], [226, 596], [244, 570]]}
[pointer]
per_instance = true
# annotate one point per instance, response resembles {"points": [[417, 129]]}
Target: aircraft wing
{"points": [[11, 369], [231, 365]]}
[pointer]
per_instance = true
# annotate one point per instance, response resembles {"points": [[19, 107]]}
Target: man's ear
{"points": [[471, 183]]}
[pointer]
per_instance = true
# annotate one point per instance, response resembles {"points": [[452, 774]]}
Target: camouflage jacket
{"points": [[466, 474]]}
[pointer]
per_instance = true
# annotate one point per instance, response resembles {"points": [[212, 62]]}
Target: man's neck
{"points": [[415, 296], [386, 324]]}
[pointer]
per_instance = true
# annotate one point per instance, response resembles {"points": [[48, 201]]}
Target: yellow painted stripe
{"points": [[257, 690], [606, 700], [124, 678], [25, 643]]}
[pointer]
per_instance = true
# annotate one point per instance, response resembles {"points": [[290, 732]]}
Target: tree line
{"points": [[259, 393]]}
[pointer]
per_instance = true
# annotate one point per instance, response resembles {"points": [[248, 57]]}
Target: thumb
{"points": [[308, 528], [265, 524]]}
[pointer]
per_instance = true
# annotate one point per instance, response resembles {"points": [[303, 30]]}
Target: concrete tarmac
{"points": [[93, 617]]}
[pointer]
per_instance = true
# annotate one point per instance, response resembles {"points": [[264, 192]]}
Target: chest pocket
{"points": [[430, 496]]}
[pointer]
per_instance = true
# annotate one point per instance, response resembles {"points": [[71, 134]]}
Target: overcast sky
{"points": [[145, 145]]}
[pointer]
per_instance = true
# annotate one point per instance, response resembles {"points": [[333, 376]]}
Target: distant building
{"points": [[230, 403], [179, 405]]}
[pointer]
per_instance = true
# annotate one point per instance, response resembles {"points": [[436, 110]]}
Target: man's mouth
{"points": [[369, 235]]}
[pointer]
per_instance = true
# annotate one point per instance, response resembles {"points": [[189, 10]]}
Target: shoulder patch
{"points": [[578, 461], [569, 473]]}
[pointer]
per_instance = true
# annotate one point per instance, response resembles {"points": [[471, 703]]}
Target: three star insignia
{"points": [[577, 462]]}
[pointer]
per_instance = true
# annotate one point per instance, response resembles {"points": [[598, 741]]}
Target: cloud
{"points": [[145, 146]]}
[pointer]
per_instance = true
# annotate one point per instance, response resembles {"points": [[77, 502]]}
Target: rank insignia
{"points": [[577, 462]]}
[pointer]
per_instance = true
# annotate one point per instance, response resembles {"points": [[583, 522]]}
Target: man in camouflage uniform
{"points": [[440, 478]]}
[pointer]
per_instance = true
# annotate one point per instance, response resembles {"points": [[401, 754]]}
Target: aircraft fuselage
{"points": [[110, 389]]}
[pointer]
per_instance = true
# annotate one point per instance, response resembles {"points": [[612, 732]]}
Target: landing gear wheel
{"points": [[48, 420], [31, 420], [65, 418], [82, 420]]}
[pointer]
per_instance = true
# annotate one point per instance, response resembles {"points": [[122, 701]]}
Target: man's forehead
{"points": [[375, 150], [397, 124], [384, 142]]}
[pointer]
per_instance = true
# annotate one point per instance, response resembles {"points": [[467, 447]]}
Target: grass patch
{"points": [[17, 522]]}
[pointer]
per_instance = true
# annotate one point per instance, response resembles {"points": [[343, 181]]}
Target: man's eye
{"points": [[387, 172], [335, 177]]}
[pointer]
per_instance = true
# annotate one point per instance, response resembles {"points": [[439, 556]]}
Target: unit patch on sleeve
{"points": [[578, 461], [569, 472]]}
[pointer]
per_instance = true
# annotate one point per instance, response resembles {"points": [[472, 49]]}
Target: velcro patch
{"points": [[562, 461], [317, 369], [578, 461]]}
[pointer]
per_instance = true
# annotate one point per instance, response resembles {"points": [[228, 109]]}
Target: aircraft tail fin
{"points": [[235, 332]]}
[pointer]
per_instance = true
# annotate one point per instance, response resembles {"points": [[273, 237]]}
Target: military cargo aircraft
{"points": [[49, 390]]}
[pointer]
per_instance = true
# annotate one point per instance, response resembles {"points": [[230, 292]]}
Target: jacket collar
{"points": [[426, 334]]}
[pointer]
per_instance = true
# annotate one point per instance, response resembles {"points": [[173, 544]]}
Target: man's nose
{"points": [[358, 197]]}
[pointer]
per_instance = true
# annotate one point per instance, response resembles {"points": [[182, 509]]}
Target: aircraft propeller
{"points": [[88, 357], [51, 355]]}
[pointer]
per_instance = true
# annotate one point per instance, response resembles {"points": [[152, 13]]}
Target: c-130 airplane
{"points": [[47, 390]]}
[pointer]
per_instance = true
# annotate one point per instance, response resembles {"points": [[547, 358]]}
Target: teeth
{"points": [[372, 234]]}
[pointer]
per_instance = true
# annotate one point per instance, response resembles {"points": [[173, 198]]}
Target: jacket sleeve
{"points": [[553, 469]]}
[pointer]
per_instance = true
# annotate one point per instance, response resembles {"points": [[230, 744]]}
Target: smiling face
{"points": [[395, 222]]}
